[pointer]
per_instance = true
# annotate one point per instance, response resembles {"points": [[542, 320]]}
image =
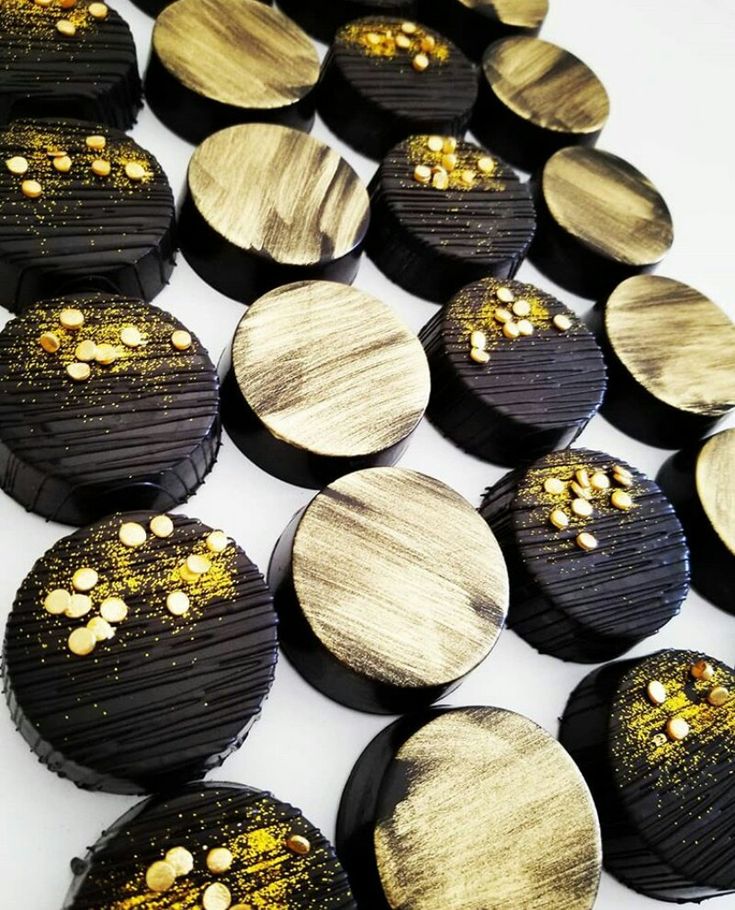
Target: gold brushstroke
{"points": [[519, 13], [714, 478]]}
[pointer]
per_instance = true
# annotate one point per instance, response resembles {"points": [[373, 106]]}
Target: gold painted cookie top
{"points": [[278, 192], [546, 85], [675, 342], [714, 478], [518, 13], [495, 814], [399, 577], [238, 52], [330, 369], [607, 205]]}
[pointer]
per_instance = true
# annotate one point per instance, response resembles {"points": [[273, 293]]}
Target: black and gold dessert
{"points": [[295, 378], [446, 213], [474, 24], [213, 846], [215, 63], [67, 58], [468, 808], [106, 403], [515, 374], [385, 79], [267, 205], [322, 18], [600, 221], [138, 652], [698, 481], [82, 207], [596, 556], [390, 590], [670, 352], [655, 739], [536, 98]]}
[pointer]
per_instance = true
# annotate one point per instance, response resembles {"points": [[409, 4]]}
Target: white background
{"points": [[669, 68]]}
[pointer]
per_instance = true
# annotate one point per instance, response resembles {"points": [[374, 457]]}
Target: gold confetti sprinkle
{"points": [[586, 541], [559, 519], [198, 564], [79, 605], [600, 481], [62, 164], [66, 28], [82, 642], [478, 339], [562, 322], [50, 342], [131, 337], [161, 526], [297, 843], [435, 143], [718, 696], [656, 692], [84, 579], [100, 628], [17, 165], [71, 319], [135, 171], [181, 340], [105, 355], [98, 10], [525, 327], [420, 62], [582, 508], [177, 603], [113, 609], [440, 180], [217, 541], [479, 355], [216, 897], [521, 307], [86, 351], [677, 728], [31, 188], [505, 294], [96, 142], [621, 500], [511, 330], [181, 860], [485, 165], [160, 876], [101, 167], [219, 859], [554, 485], [132, 534], [57, 602]]}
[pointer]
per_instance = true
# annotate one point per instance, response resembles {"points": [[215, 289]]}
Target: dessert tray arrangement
{"points": [[367, 435]]}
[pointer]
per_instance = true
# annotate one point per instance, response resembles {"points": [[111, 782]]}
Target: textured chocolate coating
{"points": [[92, 74], [154, 7], [322, 18], [84, 232], [666, 808], [166, 699], [433, 242], [535, 394], [579, 605], [140, 433], [252, 824], [373, 100]]}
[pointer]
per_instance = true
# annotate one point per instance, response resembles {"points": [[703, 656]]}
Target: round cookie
{"points": [[322, 18], [536, 98], [295, 380], [698, 481], [215, 845], [266, 206], [215, 63], [515, 373], [446, 213], [138, 652], [66, 60], [83, 207], [385, 79], [120, 412], [596, 556], [600, 221], [389, 590], [655, 740], [466, 809], [671, 356]]}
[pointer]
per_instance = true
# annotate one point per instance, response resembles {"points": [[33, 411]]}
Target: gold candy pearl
{"points": [[582, 476], [82, 642], [420, 62], [621, 500], [181, 340], [17, 165], [131, 337], [485, 165], [718, 696], [84, 579], [422, 173], [656, 692], [216, 897], [449, 145], [373, 38], [525, 327], [622, 470], [521, 307], [177, 603], [132, 534], [31, 188], [502, 315], [703, 669], [579, 490], [479, 355], [660, 740], [467, 177], [403, 41], [409, 28], [65, 27], [181, 860], [57, 602], [100, 628], [600, 481], [101, 167], [428, 43], [105, 354], [559, 519], [189, 577], [586, 541], [67, 4], [198, 564], [96, 142], [440, 180], [50, 342], [478, 339], [79, 605], [217, 541], [62, 164], [86, 351], [219, 860], [134, 171], [582, 508], [449, 162], [55, 152], [554, 485], [677, 728], [161, 526], [435, 143], [297, 843], [505, 294], [71, 319], [98, 10], [511, 330], [561, 322], [113, 609], [160, 876], [623, 480], [42, 2]]}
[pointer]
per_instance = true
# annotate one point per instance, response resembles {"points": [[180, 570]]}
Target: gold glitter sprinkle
{"points": [[586, 541], [216, 897], [656, 692], [113, 609], [219, 859], [181, 860], [677, 728], [559, 519], [79, 605], [57, 602], [298, 844], [181, 340], [31, 188], [177, 603], [703, 669], [100, 628], [66, 28], [479, 355], [161, 526], [84, 579], [131, 337], [217, 541], [160, 876], [101, 167], [82, 642], [554, 485], [718, 696], [562, 322], [62, 164], [17, 165], [132, 534], [50, 342], [86, 351], [71, 319]]}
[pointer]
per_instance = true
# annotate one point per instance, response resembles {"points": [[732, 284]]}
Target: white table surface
{"points": [[669, 68]]}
